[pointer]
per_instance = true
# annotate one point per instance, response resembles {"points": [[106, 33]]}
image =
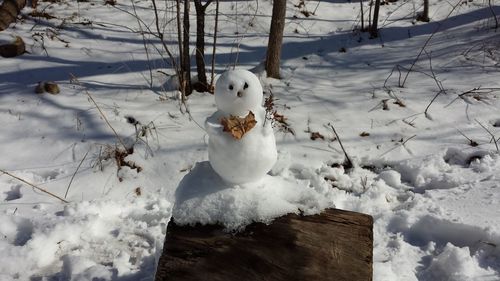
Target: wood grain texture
{"points": [[334, 245]]}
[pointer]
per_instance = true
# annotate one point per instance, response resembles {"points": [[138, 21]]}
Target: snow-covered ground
{"points": [[434, 196]]}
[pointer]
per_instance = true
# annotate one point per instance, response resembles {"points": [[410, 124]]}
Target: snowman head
{"points": [[237, 92]]}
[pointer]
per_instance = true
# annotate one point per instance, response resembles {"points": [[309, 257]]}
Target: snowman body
{"points": [[250, 158]]}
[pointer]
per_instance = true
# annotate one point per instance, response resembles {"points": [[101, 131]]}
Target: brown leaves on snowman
{"points": [[236, 126]]}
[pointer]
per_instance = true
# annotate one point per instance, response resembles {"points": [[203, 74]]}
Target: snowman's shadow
{"points": [[200, 182]]}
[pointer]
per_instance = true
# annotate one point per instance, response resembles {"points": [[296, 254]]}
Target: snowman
{"points": [[238, 93]]}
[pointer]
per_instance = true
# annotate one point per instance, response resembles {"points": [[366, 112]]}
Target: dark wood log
{"points": [[335, 245], [9, 10]]}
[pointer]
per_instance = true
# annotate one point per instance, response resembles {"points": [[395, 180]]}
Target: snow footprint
{"points": [[16, 230], [14, 193], [440, 236], [49, 175], [495, 122], [24, 232]]}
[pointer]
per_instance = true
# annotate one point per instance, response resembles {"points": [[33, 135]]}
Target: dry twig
{"points": [[73, 78], [491, 134], [427, 42], [472, 143], [403, 142], [74, 174], [348, 164], [32, 185]]}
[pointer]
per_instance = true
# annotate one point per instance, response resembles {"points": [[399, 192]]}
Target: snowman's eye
{"points": [[245, 86], [231, 87]]}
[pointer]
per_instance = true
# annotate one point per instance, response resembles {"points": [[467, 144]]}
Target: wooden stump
{"points": [[335, 245]]}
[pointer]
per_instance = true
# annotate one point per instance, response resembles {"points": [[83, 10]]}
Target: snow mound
{"points": [[455, 263], [62, 246], [203, 197]]}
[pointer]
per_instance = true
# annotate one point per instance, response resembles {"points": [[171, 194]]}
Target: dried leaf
{"points": [[138, 191], [238, 126], [269, 103], [45, 15], [400, 103], [364, 134], [385, 106], [317, 135], [280, 118]]}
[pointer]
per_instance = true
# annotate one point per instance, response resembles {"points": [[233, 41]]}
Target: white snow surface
{"points": [[434, 197], [203, 197]]}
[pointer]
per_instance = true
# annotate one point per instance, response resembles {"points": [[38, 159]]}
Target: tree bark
{"points": [[424, 15], [212, 86], [186, 61], [426, 10], [202, 84], [334, 245], [9, 11], [273, 56], [374, 27], [362, 16]]}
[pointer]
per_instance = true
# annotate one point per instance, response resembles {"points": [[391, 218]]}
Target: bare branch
{"points": [[427, 42], [74, 174], [32, 185], [215, 43], [491, 134], [73, 78], [349, 164], [402, 144], [471, 142]]}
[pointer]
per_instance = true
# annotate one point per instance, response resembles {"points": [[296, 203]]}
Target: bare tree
{"points": [[273, 56], [362, 16], [202, 84], [424, 15], [494, 15], [185, 59], [212, 86], [374, 26]]}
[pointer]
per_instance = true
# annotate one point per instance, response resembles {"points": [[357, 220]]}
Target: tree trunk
{"points": [[202, 84], [493, 13], [9, 11], [424, 16], [362, 16], [212, 86], [186, 62], [426, 9], [374, 27], [275, 39]]}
